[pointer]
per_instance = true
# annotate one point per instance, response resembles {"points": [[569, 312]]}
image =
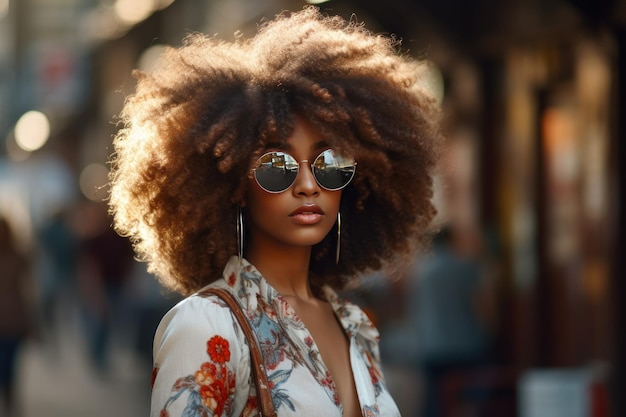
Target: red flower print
{"points": [[208, 368], [251, 408], [327, 381], [155, 371], [373, 375], [164, 413], [267, 309], [231, 279], [213, 381], [215, 395], [206, 373], [218, 349]]}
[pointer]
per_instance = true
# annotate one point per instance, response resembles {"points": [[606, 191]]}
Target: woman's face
{"points": [[303, 214]]}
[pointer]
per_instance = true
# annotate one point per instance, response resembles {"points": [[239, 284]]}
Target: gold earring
{"points": [[338, 237], [239, 233]]}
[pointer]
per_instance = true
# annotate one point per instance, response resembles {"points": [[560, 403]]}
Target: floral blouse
{"points": [[202, 361]]}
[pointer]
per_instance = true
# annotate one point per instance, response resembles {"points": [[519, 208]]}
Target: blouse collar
{"points": [[247, 283]]}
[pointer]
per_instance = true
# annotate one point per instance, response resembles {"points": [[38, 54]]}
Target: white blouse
{"points": [[202, 361]]}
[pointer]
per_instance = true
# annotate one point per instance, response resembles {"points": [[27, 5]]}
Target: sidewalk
{"points": [[61, 382]]}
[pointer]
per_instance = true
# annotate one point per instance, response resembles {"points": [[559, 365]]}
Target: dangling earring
{"points": [[338, 237], [239, 233]]}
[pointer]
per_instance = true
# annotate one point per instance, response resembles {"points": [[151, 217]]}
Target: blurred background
{"points": [[518, 309]]}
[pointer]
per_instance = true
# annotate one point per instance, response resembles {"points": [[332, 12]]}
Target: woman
{"points": [[315, 142]]}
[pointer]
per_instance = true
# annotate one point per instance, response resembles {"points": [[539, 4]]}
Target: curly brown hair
{"points": [[196, 124]]}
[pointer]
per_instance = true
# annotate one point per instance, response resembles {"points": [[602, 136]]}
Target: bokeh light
{"points": [[150, 57], [32, 130], [432, 82], [4, 8], [133, 11], [93, 180]]}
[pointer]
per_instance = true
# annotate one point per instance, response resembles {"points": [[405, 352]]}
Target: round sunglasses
{"points": [[276, 171]]}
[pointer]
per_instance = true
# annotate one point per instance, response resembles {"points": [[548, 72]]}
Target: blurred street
{"points": [[60, 381]]}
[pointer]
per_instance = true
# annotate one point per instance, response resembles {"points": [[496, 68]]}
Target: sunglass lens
{"points": [[276, 171], [333, 171]]}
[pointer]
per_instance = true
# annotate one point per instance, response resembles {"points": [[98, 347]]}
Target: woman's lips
{"points": [[307, 214]]}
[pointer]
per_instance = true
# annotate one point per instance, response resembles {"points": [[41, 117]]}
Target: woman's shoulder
{"points": [[200, 310]]}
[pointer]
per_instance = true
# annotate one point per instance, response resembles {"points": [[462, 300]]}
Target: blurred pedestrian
{"points": [[16, 322], [449, 312], [149, 303], [56, 272], [106, 263]]}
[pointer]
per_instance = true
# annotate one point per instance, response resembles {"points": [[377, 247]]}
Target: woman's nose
{"points": [[305, 180]]}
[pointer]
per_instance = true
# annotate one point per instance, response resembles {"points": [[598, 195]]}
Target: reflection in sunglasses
{"points": [[276, 171]]}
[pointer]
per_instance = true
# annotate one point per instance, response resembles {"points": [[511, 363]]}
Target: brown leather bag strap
{"points": [[264, 396]]}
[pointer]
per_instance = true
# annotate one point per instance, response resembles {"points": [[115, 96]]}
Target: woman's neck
{"points": [[286, 269]]}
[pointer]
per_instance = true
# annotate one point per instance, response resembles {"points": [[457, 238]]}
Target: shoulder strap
{"points": [[266, 406]]}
